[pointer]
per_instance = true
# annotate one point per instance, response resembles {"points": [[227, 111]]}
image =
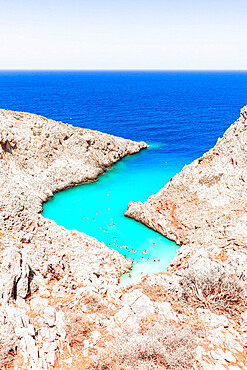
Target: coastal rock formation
{"points": [[60, 303], [203, 209], [38, 158], [205, 203], [38, 258]]}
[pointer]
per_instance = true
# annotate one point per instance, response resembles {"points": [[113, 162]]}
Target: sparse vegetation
{"points": [[158, 347], [78, 329], [210, 180], [155, 292], [93, 302], [214, 289], [7, 351], [37, 127]]}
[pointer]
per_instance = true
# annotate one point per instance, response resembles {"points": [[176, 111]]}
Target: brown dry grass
{"points": [[213, 289], [156, 293], [78, 329], [157, 346], [94, 303], [7, 351]]}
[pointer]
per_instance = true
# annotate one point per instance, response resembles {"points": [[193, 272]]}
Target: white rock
{"points": [[95, 336], [206, 366], [165, 309], [215, 355], [38, 304], [30, 330], [50, 315], [19, 332], [48, 333], [219, 366], [227, 356], [61, 324], [114, 292], [143, 306], [51, 354], [122, 315], [215, 321], [139, 303], [44, 291], [200, 351], [243, 320]]}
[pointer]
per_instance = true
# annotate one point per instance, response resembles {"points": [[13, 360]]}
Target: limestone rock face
{"points": [[58, 288], [206, 202], [39, 157], [203, 209]]}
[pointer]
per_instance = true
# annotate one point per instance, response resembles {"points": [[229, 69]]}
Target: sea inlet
{"points": [[97, 208], [180, 114]]}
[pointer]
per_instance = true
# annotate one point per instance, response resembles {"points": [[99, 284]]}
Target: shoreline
{"points": [[101, 215], [187, 208], [39, 181], [60, 302]]}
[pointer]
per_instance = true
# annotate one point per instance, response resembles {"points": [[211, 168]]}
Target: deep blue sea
{"points": [[180, 114]]}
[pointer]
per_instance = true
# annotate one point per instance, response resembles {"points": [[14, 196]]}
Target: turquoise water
{"points": [[181, 113], [98, 208]]}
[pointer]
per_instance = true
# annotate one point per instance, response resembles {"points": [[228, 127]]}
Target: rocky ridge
{"points": [[60, 305], [203, 209], [39, 157], [205, 203]]}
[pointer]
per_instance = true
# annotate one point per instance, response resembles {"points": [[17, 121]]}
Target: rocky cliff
{"points": [[39, 157], [205, 203], [203, 209], [60, 303]]}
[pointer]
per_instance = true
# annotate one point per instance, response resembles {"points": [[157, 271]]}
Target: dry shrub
{"points": [[78, 329], [159, 347], [159, 293], [154, 292], [214, 289], [147, 322], [7, 351], [198, 326], [107, 360], [94, 302]]}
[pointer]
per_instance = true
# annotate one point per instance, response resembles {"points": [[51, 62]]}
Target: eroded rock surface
{"points": [[203, 209], [206, 202], [39, 157], [60, 305]]}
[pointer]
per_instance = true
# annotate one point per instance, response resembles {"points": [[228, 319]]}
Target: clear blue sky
{"points": [[123, 34]]}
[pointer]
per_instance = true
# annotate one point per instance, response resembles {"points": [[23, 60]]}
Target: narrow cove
{"points": [[97, 209]]}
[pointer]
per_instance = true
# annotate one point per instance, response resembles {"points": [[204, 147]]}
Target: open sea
{"points": [[180, 114]]}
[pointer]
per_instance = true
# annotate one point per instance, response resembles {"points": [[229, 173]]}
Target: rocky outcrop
{"points": [[205, 203], [60, 305], [40, 157], [39, 259], [203, 209]]}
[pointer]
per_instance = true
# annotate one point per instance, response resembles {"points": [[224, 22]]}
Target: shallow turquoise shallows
{"points": [[98, 208]]}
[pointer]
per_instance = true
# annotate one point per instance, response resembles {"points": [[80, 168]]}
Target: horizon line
{"points": [[123, 69]]}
